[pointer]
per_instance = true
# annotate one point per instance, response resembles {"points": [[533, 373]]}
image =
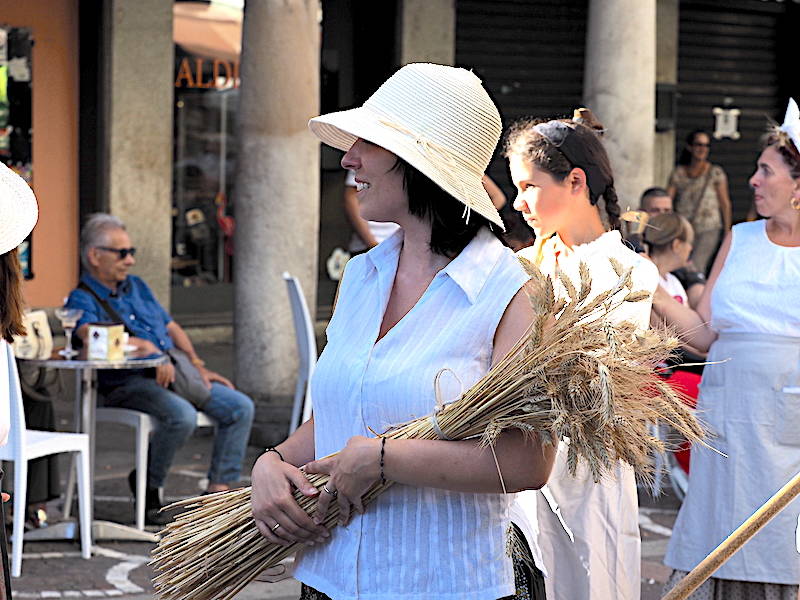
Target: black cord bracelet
{"points": [[383, 452], [276, 451]]}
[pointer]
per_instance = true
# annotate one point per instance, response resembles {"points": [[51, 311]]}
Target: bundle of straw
{"points": [[571, 375]]}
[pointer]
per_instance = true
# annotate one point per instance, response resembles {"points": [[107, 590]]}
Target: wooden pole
{"points": [[736, 540]]}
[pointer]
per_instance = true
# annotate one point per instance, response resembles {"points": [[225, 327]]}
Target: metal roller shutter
{"points": [[530, 55], [728, 49]]}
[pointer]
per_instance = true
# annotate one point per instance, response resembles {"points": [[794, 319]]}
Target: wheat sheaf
{"points": [[573, 374]]}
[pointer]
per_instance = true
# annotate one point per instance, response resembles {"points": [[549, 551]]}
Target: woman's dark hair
{"points": [[785, 147], [523, 140], [450, 231], [13, 305], [685, 157]]}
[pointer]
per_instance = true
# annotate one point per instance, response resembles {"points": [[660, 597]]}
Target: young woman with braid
{"points": [[562, 175]]}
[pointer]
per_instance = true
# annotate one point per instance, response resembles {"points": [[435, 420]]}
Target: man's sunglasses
{"points": [[122, 253]]}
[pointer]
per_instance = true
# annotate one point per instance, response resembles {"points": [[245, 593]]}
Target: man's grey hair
{"points": [[95, 233]]}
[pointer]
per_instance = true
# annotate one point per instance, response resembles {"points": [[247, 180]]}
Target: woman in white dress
{"points": [[441, 292], [561, 172], [19, 212], [748, 317]]}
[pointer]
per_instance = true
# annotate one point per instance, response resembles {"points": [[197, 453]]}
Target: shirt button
{"points": [[133, 317]]}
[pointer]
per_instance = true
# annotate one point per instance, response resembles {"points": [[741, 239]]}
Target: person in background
{"points": [[748, 320], [561, 171], [669, 240], [699, 190], [107, 256], [366, 234], [655, 201]]}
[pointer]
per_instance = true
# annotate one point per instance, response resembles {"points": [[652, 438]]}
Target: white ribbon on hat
{"points": [[435, 151], [791, 123]]}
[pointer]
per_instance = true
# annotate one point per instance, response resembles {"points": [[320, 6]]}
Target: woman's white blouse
{"points": [[412, 542], [8, 386]]}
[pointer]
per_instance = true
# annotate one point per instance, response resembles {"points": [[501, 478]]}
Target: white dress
{"points": [[6, 384], [752, 403], [412, 543], [603, 562]]}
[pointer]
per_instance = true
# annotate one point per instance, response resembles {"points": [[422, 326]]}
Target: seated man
{"points": [[107, 255]]}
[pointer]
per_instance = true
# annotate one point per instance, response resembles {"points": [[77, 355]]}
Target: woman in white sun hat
{"points": [[442, 292], [18, 215]]}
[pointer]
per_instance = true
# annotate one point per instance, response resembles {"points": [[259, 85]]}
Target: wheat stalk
{"points": [[572, 375]]}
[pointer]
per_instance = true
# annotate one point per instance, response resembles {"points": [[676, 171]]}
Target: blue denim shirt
{"points": [[142, 314]]}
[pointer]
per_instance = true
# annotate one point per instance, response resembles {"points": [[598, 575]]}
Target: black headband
{"points": [[559, 134]]}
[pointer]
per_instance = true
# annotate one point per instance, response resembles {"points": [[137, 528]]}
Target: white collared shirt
{"points": [[412, 542]]}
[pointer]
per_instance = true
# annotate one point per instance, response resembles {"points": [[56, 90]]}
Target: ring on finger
{"points": [[333, 493], [275, 527]]}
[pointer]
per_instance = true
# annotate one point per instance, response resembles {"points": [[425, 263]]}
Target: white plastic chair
{"points": [[306, 350], [26, 444], [144, 425]]}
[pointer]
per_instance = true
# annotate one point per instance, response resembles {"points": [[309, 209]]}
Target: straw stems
{"points": [[572, 374], [695, 578]]}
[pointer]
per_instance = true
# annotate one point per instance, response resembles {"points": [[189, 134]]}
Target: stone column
{"points": [[277, 200], [667, 12], [619, 86], [138, 111], [428, 31]]}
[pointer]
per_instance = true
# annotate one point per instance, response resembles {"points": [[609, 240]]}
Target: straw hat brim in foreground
{"points": [[18, 209], [438, 119]]}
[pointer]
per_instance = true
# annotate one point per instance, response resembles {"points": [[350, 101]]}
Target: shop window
{"points": [[207, 47]]}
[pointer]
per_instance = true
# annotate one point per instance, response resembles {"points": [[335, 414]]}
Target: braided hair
{"points": [[580, 148]]}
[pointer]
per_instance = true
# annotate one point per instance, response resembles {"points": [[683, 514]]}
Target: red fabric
{"points": [[687, 383]]}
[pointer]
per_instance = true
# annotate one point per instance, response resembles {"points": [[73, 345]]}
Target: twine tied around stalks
{"points": [[440, 406], [440, 402]]}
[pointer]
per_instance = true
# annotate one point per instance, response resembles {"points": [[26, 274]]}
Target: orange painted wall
{"points": [[54, 26]]}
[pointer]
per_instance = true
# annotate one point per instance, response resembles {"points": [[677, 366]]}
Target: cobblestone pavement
{"points": [[119, 569]]}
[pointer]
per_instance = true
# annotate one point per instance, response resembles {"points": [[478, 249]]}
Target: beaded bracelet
{"points": [[383, 452], [276, 451]]}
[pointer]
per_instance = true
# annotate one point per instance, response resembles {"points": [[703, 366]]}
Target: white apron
{"points": [[752, 404]]}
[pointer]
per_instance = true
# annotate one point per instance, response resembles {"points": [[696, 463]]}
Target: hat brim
{"points": [[18, 210], [341, 130]]}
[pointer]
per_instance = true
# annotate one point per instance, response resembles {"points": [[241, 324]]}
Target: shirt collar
{"points": [[104, 292], [469, 270], [472, 267]]}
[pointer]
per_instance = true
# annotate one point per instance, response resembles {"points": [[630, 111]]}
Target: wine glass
{"points": [[69, 318]]}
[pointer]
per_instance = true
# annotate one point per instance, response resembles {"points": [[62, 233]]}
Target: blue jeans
{"points": [[231, 410]]}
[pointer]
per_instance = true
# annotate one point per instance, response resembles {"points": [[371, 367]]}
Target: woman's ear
{"points": [[675, 245], [577, 181]]}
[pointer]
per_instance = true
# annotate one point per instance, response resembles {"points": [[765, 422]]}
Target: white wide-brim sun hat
{"points": [[438, 119], [18, 209]]}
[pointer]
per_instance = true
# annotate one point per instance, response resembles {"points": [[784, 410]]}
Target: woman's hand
{"points": [[352, 472], [277, 515]]}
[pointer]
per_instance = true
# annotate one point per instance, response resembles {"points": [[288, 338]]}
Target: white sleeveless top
{"points": [[603, 559], [412, 542], [753, 292]]}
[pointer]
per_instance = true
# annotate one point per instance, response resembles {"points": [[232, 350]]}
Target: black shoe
{"points": [[152, 503]]}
